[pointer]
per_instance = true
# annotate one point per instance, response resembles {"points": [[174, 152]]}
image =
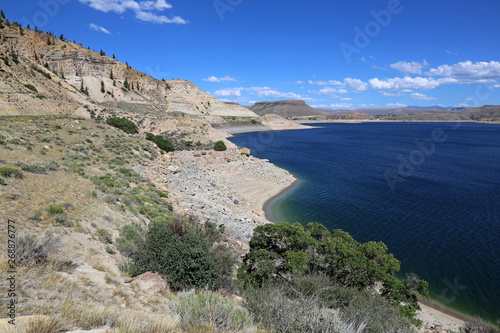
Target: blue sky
{"points": [[336, 54]]}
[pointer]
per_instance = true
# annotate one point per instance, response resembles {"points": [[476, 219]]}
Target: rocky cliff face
{"points": [[48, 75]]}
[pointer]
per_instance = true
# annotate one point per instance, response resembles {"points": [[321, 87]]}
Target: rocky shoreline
{"points": [[228, 188]]}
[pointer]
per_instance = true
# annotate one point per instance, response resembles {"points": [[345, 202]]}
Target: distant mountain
{"points": [[351, 115], [286, 109], [483, 113], [382, 111]]}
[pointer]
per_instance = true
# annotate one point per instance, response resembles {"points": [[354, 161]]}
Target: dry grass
{"points": [[44, 325]]}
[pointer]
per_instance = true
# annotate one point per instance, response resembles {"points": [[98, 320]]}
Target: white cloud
{"points": [[346, 99], [422, 97], [396, 105], [407, 82], [363, 59], [356, 84], [452, 53], [372, 57], [159, 5], [330, 91], [409, 67], [463, 105], [220, 79], [468, 71], [325, 83], [319, 106], [99, 28], [143, 10], [391, 94], [341, 105], [230, 92], [496, 86]]}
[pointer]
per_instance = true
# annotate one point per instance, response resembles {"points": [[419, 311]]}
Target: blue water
{"points": [[436, 205]]}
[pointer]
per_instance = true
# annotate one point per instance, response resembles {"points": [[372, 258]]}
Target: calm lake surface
{"points": [[430, 191]]}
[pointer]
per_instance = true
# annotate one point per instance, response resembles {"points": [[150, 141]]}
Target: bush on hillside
{"points": [[220, 146], [211, 312], [283, 250], [124, 124], [162, 143], [184, 253], [476, 325], [11, 172], [282, 308], [29, 250]]}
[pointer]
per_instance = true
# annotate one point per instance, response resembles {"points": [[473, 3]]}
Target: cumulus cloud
{"points": [[325, 83], [341, 105], [144, 10], [346, 99], [468, 71], [396, 105], [356, 84], [409, 67], [220, 79], [230, 92], [391, 94], [422, 97], [421, 83], [99, 28]]}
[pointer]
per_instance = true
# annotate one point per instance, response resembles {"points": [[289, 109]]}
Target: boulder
{"points": [[151, 281], [245, 151]]}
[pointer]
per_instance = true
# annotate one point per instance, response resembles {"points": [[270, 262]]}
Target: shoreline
{"points": [[266, 207]]}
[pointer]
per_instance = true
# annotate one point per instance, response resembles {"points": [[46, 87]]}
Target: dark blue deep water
{"points": [[435, 203]]}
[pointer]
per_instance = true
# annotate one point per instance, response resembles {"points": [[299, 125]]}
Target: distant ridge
{"points": [[286, 109]]}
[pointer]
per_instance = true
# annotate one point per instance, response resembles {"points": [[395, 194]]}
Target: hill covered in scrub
{"points": [[286, 109]]}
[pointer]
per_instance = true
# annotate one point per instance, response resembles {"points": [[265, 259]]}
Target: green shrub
{"points": [[283, 249], [220, 146], [110, 249], [198, 143], [211, 312], [105, 236], [41, 96], [281, 308], [29, 250], [133, 236], [51, 165], [35, 167], [476, 325], [124, 124], [2, 181], [254, 121], [54, 209], [162, 143], [185, 254], [31, 87], [9, 172]]}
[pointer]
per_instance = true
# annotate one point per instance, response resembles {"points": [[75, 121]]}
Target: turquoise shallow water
{"points": [[430, 191]]}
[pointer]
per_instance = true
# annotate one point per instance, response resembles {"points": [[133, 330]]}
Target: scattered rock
{"points": [[151, 281], [245, 151]]}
